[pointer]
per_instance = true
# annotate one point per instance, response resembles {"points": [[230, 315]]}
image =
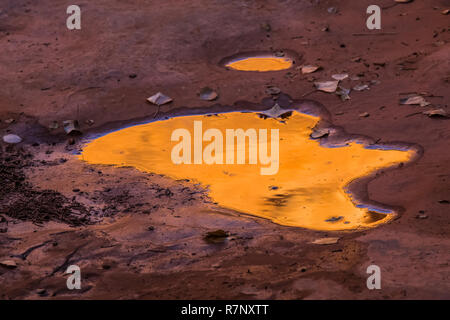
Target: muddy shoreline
{"points": [[337, 137]]}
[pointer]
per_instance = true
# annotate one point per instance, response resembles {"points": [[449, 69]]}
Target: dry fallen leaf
{"points": [[216, 236], [361, 87], [340, 76], [273, 90], [364, 115], [332, 10], [319, 133], [208, 94], [53, 125], [71, 127], [159, 99], [275, 111], [436, 113], [327, 86], [439, 43], [309, 69], [414, 100], [343, 93], [11, 264], [326, 241]]}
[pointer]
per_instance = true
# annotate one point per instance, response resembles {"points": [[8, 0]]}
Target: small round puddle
{"points": [[261, 62]]}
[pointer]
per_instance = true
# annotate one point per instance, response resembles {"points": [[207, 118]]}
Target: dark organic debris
{"points": [[266, 27], [19, 200], [53, 125], [273, 90], [42, 292], [216, 236], [334, 219]]}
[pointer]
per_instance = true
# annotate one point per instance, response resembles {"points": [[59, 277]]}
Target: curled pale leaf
{"points": [[437, 113], [361, 87], [340, 76], [326, 241], [159, 99], [208, 94], [309, 69], [275, 112], [327, 86], [320, 133], [344, 93], [415, 100]]}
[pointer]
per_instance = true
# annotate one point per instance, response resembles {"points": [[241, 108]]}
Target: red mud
{"points": [[143, 237]]}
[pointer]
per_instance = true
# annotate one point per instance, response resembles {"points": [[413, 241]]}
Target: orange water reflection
{"points": [[261, 64], [307, 191]]}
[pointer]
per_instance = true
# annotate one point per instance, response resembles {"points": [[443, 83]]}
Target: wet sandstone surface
{"points": [[138, 235]]}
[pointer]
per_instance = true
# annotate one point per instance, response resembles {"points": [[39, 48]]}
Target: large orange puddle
{"points": [[261, 64], [307, 191]]}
